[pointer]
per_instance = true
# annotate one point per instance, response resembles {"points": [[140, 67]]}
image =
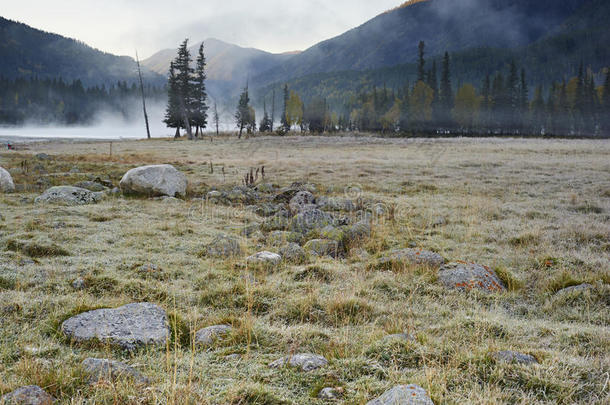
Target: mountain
{"points": [[28, 52], [225, 62], [445, 25], [581, 37]]}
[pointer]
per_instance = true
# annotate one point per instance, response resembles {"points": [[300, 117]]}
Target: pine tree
{"points": [[605, 104], [242, 115], [513, 97], [524, 102], [421, 73], [216, 119], [284, 120], [265, 125], [485, 103], [172, 111], [184, 86], [446, 92], [200, 108]]}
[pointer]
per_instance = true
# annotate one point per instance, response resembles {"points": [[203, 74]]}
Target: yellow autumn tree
{"points": [[294, 110], [466, 106], [420, 102]]}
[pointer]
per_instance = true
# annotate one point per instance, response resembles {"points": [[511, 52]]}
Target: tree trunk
{"points": [[177, 133]]}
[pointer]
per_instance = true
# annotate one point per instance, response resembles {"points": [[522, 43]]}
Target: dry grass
{"points": [[536, 211]]}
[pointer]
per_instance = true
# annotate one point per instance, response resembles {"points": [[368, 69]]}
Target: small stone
{"points": [[223, 246], [574, 289], [233, 357], [468, 276], [207, 336], [304, 361], [410, 257], [264, 259], [330, 394], [28, 395], [403, 395], [128, 326], [109, 370], [79, 284], [508, 356], [74, 169], [438, 221], [43, 156], [323, 247], [293, 253], [300, 200]]}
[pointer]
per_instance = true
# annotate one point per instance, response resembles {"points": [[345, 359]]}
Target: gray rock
{"points": [[264, 259], [266, 188], [111, 371], [278, 222], [153, 181], [323, 247], [28, 395], [68, 195], [6, 181], [293, 253], [311, 219], [300, 200], [207, 336], [74, 169], [468, 276], [79, 284], [508, 356], [223, 246], [403, 395], [40, 169], [303, 361], [90, 185], [278, 238], [574, 289], [410, 257], [358, 232], [265, 210], [128, 326], [335, 204], [330, 394], [43, 156]]}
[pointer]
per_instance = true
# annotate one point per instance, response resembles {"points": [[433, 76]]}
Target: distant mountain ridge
{"points": [[29, 52]]}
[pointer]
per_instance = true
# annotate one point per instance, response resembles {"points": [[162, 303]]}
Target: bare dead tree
{"points": [[143, 98]]}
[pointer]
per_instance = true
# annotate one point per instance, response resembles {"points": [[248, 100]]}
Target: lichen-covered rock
{"points": [[403, 395], [323, 247], [264, 259], [303, 361], [6, 181], [293, 253], [242, 195], [207, 336], [28, 395], [335, 204], [128, 326], [265, 209], [301, 200], [311, 219], [152, 181], [330, 394], [279, 238], [509, 356], [223, 246], [277, 222], [111, 371], [358, 232], [68, 195], [90, 185], [398, 258], [468, 276]]}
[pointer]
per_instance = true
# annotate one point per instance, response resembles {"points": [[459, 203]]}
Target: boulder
{"points": [[293, 253], [397, 258], [68, 195], [403, 395], [207, 336], [358, 232], [264, 259], [6, 181], [508, 356], [323, 247], [223, 246], [301, 200], [278, 238], [311, 219], [109, 370], [335, 204], [28, 395], [128, 326], [303, 361], [467, 276], [154, 181], [277, 222]]}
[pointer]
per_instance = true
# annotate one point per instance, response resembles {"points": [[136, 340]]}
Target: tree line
{"points": [[55, 101]]}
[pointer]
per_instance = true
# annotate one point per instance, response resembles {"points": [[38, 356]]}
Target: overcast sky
{"points": [[120, 26]]}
